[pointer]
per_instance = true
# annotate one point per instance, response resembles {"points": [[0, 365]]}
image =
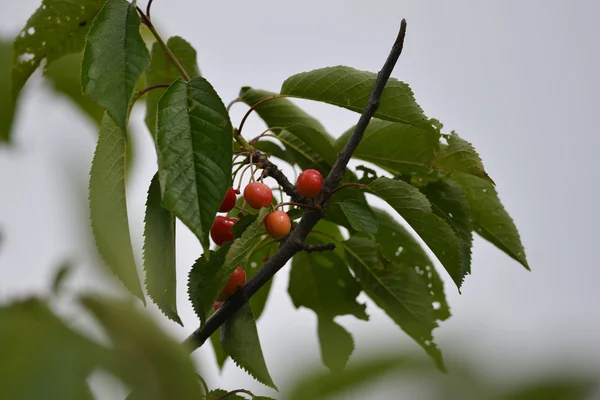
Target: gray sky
{"points": [[516, 78]]}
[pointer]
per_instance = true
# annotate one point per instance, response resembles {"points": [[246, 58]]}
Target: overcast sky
{"points": [[518, 79]]}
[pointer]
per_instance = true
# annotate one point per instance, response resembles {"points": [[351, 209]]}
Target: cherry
{"points": [[221, 230], [236, 280], [309, 183], [216, 305], [258, 195], [229, 201], [278, 224]]}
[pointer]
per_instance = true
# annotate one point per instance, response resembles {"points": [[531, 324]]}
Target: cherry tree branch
{"points": [[295, 242]]}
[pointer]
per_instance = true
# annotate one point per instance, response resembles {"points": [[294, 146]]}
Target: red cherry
{"points": [[258, 195], [236, 281], [216, 305], [278, 224], [229, 201], [309, 183], [221, 230]]}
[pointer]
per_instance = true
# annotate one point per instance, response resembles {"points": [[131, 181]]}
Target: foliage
{"points": [[435, 182]]}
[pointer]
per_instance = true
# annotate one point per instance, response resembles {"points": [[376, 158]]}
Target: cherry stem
{"points": [[232, 103], [253, 108], [265, 133], [146, 90]]}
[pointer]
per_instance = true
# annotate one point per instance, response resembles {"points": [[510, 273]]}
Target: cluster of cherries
{"points": [[277, 223]]}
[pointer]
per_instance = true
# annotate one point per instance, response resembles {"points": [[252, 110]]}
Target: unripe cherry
{"points": [[258, 195], [309, 183], [278, 224]]}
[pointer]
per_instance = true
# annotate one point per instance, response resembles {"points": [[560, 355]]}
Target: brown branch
{"points": [[295, 241], [309, 248]]}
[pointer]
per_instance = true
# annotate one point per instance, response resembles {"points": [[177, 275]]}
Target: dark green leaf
{"points": [[281, 113], [396, 147], [398, 290], [270, 148], [194, 153], [162, 71], [41, 357], [108, 206], [448, 202], [220, 354], [155, 365], [460, 156], [322, 282], [203, 285], [57, 28], [360, 216], [324, 385], [239, 338], [159, 254], [64, 77], [400, 247], [7, 103], [219, 393], [337, 344], [490, 219], [334, 211], [114, 59], [414, 207], [242, 224], [555, 388], [350, 88]]}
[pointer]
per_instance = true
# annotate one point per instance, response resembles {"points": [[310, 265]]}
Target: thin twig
{"points": [[296, 240], [345, 185], [232, 103], [148, 9], [274, 172], [146, 90]]}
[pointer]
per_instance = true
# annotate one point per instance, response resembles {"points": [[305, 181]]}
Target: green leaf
{"points": [[162, 71], [350, 88], [159, 254], [239, 338], [194, 153], [448, 202], [7, 103], [400, 247], [396, 147], [218, 394], [321, 281], [220, 354], [306, 141], [155, 365], [255, 260], [271, 149], [108, 206], [114, 58], [337, 344], [460, 156], [360, 216], [398, 290], [64, 77], [57, 28], [41, 357], [203, 283], [414, 207], [490, 219], [324, 385]]}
